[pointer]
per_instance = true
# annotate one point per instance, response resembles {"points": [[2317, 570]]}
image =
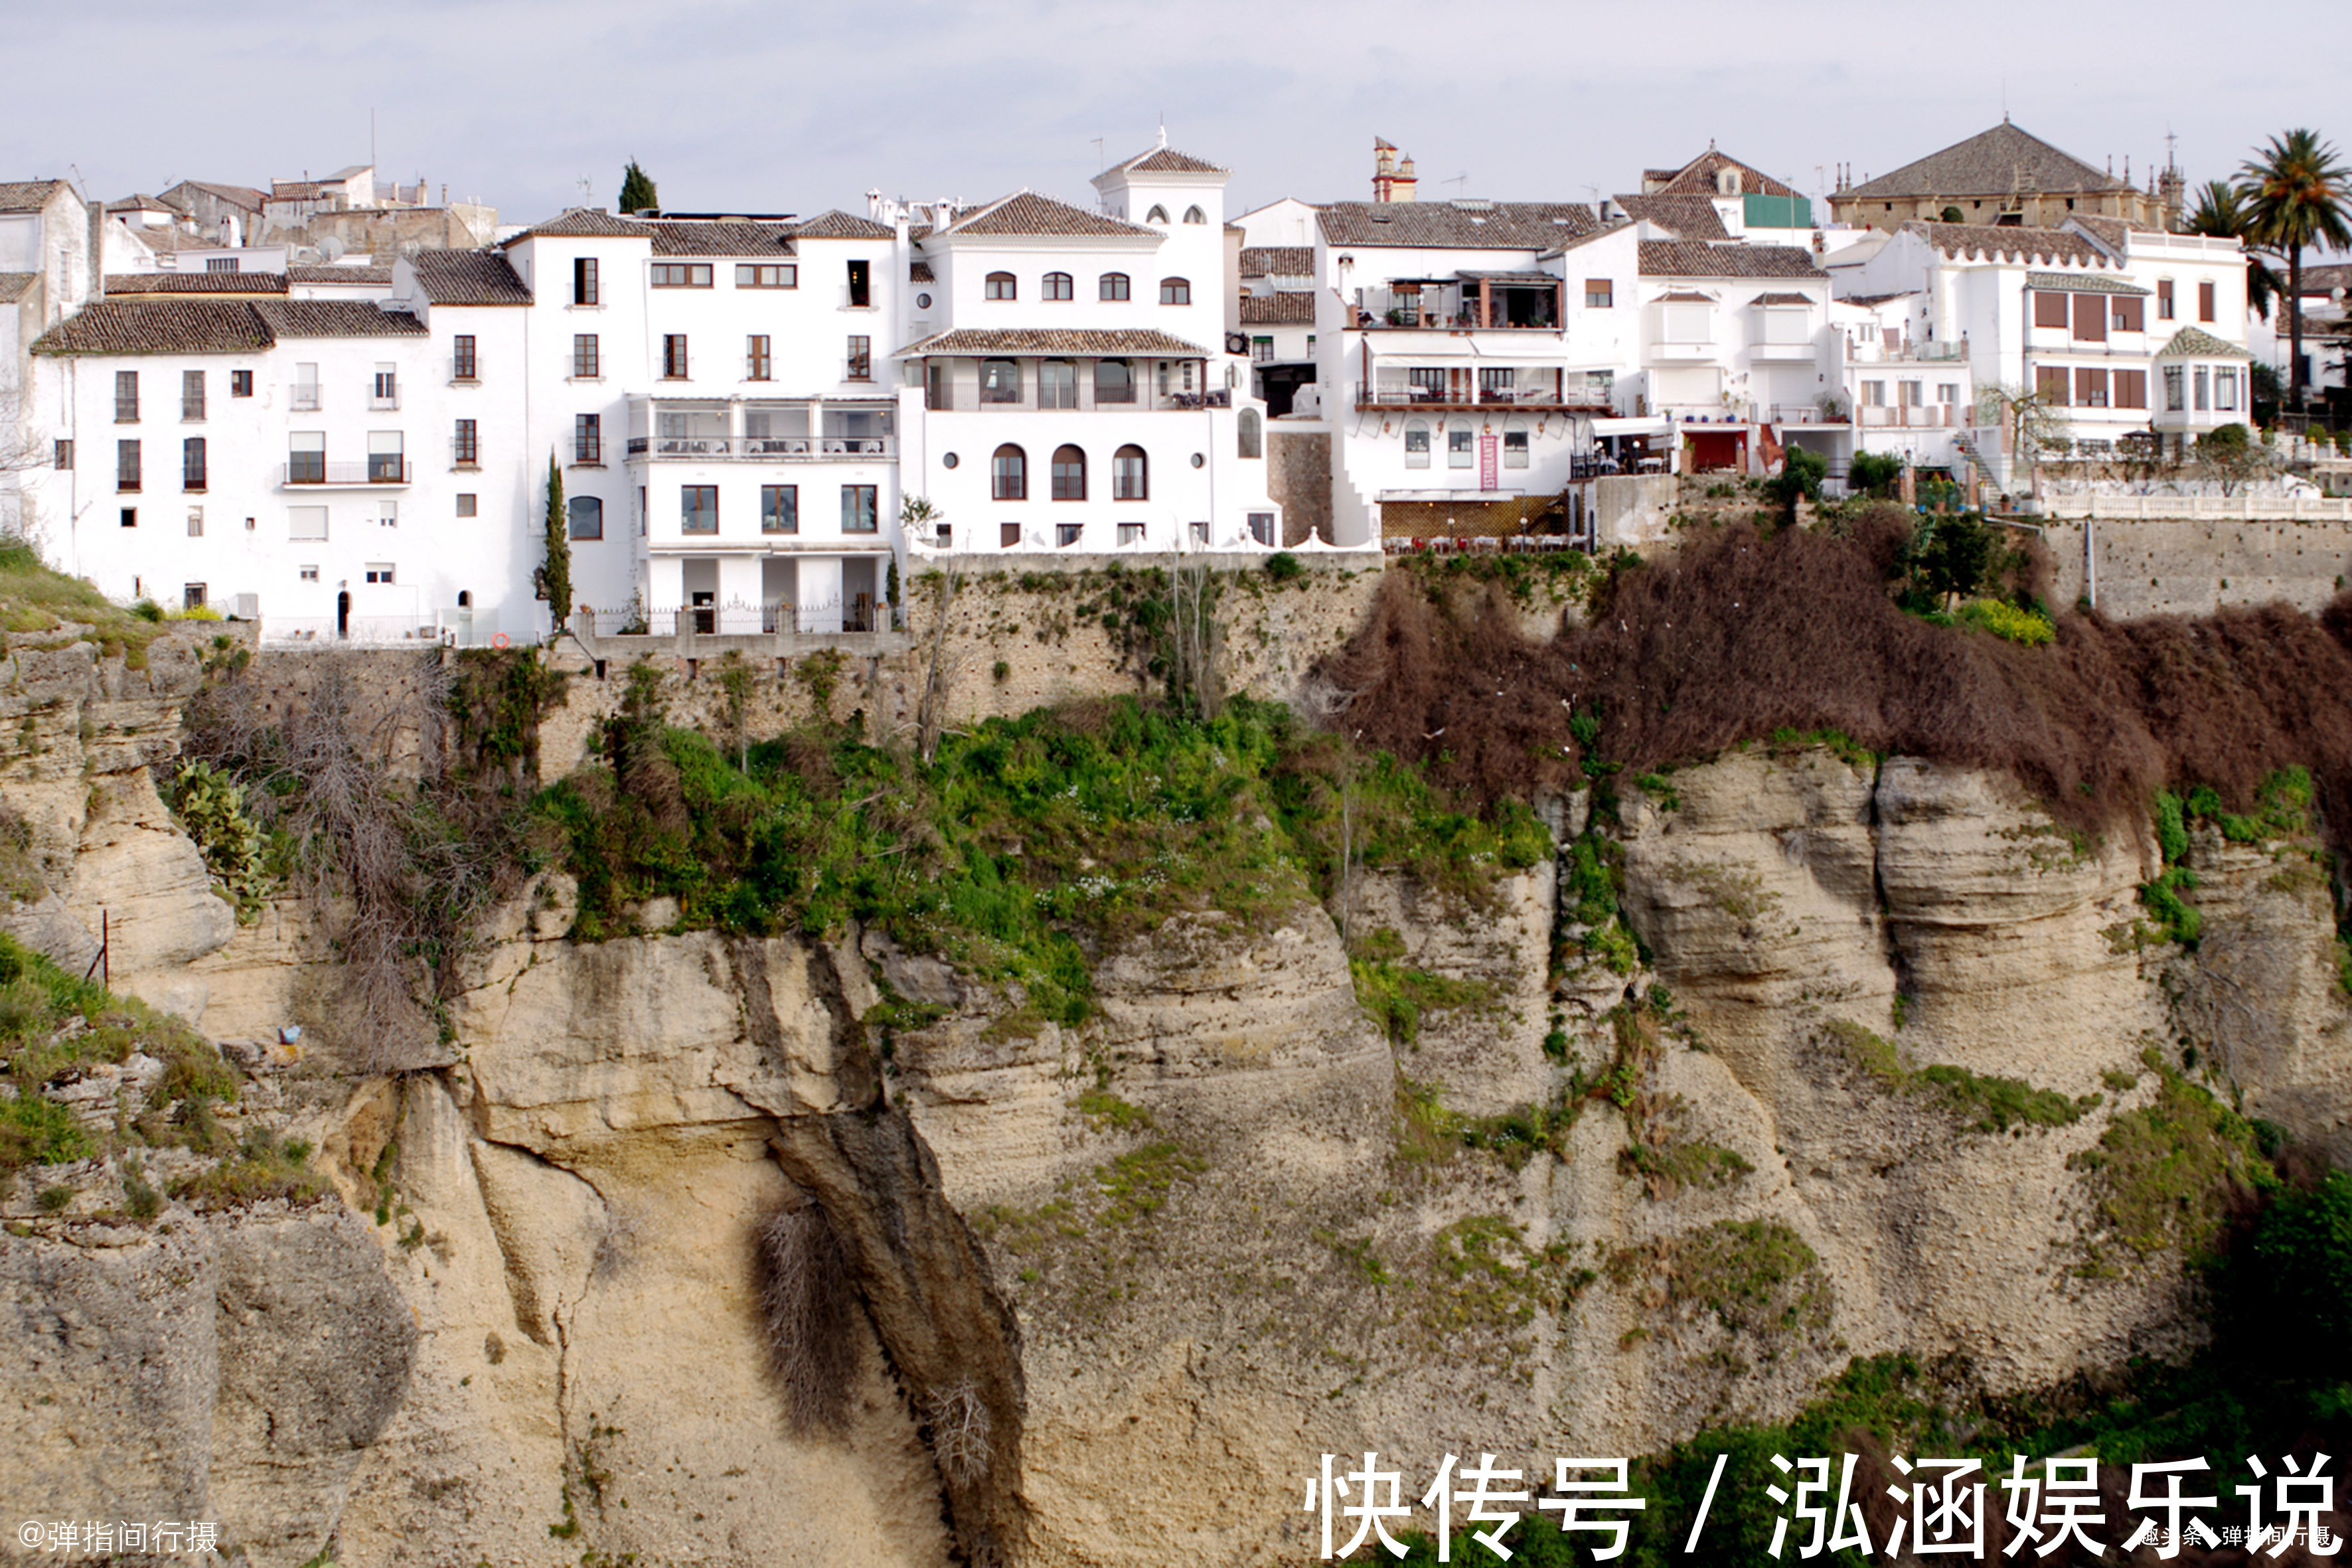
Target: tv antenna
{"points": [[1102, 157], [585, 185], [1458, 181]]}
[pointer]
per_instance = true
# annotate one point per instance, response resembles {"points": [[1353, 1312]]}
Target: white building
{"points": [[1733, 336]]}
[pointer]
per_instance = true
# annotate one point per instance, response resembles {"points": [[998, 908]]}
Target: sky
{"points": [[789, 107]]}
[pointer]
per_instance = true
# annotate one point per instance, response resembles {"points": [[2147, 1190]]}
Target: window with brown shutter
{"points": [[2129, 313], [2131, 388], [2050, 384], [2204, 301], [2089, 387], [2164, 298], [2049, 309], [2090, 318]]}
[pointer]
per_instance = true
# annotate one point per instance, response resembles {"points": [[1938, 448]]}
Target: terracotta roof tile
{"points": [[15, 286], [1783, 299], [1681, 259], [1458, 225], [1056, 340], [2075, 282], [469, 277], [672, 237], [919, 272], [839, 225], [121, 283], [1295, 309], [1277, 261], [354, 276], [158, 326], [1994, 163], [27, 195], [334, 319], [1168, 161], [1696, 178], [2193, 342], [1027, 213], [1996, 242], [587, 223], [1690, 217]]}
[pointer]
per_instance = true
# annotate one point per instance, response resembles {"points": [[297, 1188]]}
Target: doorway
{"points": [[342, 615]]}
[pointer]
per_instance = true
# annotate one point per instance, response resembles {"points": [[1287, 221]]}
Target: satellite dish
{"points": [[331, 249]]}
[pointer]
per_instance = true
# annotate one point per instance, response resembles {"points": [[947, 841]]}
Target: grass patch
{"points": [[2005, 620], [2163, 1176], [34, 598], [1981, 1102]]}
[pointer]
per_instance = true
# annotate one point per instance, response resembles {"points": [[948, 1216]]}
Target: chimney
{"points": [[97, 251]]}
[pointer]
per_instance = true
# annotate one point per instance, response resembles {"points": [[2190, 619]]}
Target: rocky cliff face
{"points": [[1123, 1284]]}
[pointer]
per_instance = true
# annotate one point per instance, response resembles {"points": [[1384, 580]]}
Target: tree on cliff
{"points": [[2297, 192], [555, 575], [637, 194]]}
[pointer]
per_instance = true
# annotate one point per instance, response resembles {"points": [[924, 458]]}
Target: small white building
{"points": [[1732, 341]]}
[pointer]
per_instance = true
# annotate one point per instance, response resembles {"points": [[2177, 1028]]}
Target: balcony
{"points": [[348, 476], [763, 448], [384, 402], [1909, 416], [1453, 306], [1441, 402], [303, 398], [1907, 352]]}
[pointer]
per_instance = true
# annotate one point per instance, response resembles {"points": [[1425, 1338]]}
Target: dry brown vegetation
{"points": [[807, 1306], [1744, 635]]}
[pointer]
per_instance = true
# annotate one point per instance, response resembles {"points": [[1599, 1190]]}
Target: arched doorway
{"points": [[343, 613]]}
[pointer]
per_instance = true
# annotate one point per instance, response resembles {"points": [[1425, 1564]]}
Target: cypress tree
{"points": [[638, 189], [557, 573]]}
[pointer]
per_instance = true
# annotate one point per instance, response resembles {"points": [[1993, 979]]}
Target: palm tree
{"points": [[2297, 192], [2220, 214]]}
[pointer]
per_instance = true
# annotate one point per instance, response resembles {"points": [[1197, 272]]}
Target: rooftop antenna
{"points": [[2004, 100], [371, 136], [2171, 147], [1458, 181], [1102, 157], [585, 187]]}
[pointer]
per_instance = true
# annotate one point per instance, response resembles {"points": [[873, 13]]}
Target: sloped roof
{"points": [[1990, 163], [1027, 213], [1783, 299], [1690, 217], [1277, 261], [334, 319], [196, 283], [672, 237], [1166, 160], [2192, 342], [15, 286], [1684, 259], [587, 223], [469, 277], [2075, 284], [244, 196], [2001, 242], [351, 275], [1696, 178], [1457, 224], [919, 272], [27, 195], [839, 225], [158, 326], [1295, 309], [1057, 340]]}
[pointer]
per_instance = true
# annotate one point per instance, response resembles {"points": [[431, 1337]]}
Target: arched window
{"points": [[1113, 381], [1000, 381], [1157, 214], [1008, 474], [1001, 286], [1114, 286], [1058, 286], [1175, 292], [1253, 444], [1069, 474], [587, 517], [1131, 475], [1194, 214]]}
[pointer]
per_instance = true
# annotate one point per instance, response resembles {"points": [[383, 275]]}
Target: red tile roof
{"points": [[1057, 340], [839, 225], [469, 277], [1996, 242], [121, 283], [1683, 258], [1295, 309], [1027, 213]]}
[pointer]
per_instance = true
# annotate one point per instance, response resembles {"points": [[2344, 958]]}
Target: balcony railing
{"points": [[763, 448], [858, 613], [1940, 352], [374, 471], [1589, 402], [302, 397], [1909, 416], [383, 402]]}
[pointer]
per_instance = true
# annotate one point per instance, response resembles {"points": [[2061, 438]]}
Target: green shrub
{"points": [[2006, 620], [1282, 566], [1875, 474], [38, 1132]]}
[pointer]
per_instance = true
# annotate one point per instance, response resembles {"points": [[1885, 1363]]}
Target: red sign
{"points": [[1488, 477]]}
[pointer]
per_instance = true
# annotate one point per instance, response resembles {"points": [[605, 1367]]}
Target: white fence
{"points": [[2228, 509], [450, 628]]}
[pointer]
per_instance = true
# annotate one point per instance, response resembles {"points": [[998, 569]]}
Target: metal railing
{"points": [[374, 471], [303, 398], [762, 447], [354, 631], [1933, 352], [859, 613]]}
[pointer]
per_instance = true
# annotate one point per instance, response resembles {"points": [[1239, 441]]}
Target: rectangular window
{"points": [[1130, 533], [2089, 387], [1600, 293], [857, 510], [1067, 534], [192, 463], [1057, 384], [306, 522], [698, 508], [378, 572], [1200, 534], [780, 509], [2131, 389], [2204, 390], [1262, 351], [2173, 402], [861, 359], [1000, 381], [756, 365], [1261, 527], [220, 263], [682, 275], [195, 523], [129, 517], [1873, 395], [2225, 389], [674, 356], [2049, 309], [387, 514], [126, 465], [467, 504], [2130, 313], [1428, 382], [587, 362], [461, 357], [1947, 393], [240, 384], [192, 394], [1515, 448], [306, 387], [192, 596], [63, 456], [2164, 298], [386, 462], [2090, 318], [766, 275], [2050, 384], [126, 397], [588, 438], [306, 574], [384, 392], [466, 447], [860, 285], [1008, 534], [1459, 447], [2205, 301], [1910, 394], [1416, 446], [1175, 292], [306, 458], [584, 281]]}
